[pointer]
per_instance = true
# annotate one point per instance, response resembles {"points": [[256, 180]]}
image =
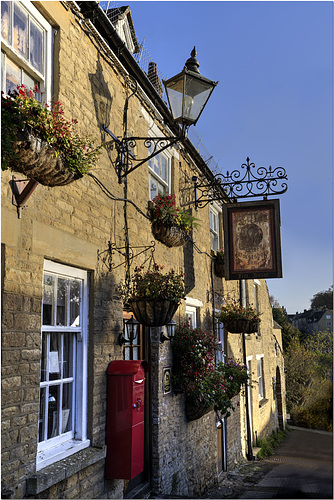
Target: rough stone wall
{"points": [[70, 225], [264, 412]]}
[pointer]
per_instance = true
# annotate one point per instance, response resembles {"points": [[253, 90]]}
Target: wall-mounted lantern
{"points": [[131, 329], [170, 327]]}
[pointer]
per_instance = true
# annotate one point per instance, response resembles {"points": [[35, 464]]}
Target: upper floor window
{"points": [[63, 382], [159, 174], [26, 46], [260, 377], [214, 228]]}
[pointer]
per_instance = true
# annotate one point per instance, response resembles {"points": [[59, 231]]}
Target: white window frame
{"points": [[154, 131], [44, 79], [260, 376], [60, 447], [214, 210], [192, 306], [220, 333]]}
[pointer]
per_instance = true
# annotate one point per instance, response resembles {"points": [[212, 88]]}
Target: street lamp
{"points": [[188, 92]]}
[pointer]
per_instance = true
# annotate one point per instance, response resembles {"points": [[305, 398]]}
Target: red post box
{"points": [[125, 419]]}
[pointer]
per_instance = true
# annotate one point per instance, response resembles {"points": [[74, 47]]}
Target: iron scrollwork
{"points": [[127, 161], [238, 184]]}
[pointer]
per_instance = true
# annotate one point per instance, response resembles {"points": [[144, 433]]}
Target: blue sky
{"points": [[273, 103]]}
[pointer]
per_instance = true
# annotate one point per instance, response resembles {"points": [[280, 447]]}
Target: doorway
{"points": [[279, 399], [138, 349]]}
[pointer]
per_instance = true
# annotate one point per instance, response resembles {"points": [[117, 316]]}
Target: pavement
{"points": [[301, 467]]}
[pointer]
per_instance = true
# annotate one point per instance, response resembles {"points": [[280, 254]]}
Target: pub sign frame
{"points": [[252, 240]]}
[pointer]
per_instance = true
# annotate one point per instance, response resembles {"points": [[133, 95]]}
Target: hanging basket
{"points": [[237, 325], [253, 326], [171, 236], [194, 412], [37, 160], [153, 312], [219, 269]]}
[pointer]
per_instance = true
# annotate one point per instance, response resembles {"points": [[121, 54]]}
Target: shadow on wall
{"points": [[106, 323], [102, 103]]}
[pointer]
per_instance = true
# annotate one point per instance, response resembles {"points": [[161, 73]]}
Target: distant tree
{"points": [[323, 299], [289, 332], [274, 302], [321, 343], [309, 385]]}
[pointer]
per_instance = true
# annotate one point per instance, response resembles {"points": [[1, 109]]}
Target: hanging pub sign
{"points": [[252, 241]]}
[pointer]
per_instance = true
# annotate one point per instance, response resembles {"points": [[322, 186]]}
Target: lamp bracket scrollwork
{"points": [[250, 182], [127, 161]]}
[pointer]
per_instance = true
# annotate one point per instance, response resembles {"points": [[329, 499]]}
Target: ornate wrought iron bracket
{"points": [[107, 255], [238, 184], [126, 161]]}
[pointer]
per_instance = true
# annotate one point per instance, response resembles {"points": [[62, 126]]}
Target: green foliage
{"points": [[269, 443], [289, 332], [20, 112], [195, 373], [319, 413], [323, 299], [308, 380], [153, 284], [166, 212], [321, 343], [220, 256]]}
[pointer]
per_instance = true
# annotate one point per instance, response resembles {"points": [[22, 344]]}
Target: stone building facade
{"points": [[60, 242]]}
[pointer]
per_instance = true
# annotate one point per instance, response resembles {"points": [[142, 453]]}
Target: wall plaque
{"points": [[166, 381], [252, 241]]}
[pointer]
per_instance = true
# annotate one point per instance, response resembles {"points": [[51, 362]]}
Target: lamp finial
{"points": [[192, 64]]}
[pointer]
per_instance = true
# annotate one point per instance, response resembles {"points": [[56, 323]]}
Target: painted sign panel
{"points": [[252, 242]]}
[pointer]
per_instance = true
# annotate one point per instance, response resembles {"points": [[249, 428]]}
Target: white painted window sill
{"points": [[63, 469]]}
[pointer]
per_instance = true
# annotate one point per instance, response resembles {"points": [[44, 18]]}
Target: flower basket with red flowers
{"points": [[171, 225], [40, 143], [206, 385]]}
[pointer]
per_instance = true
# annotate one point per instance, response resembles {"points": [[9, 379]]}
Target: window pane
{"points": [[13, 75], [53, 411], [36, 46], [75, 290], [28, 81], [54, 356], [68, 356], [163, 167], [20, 36], [5, 21], [66, 423], [41, 420], [48, 300], [62, 302], [44, 358]]}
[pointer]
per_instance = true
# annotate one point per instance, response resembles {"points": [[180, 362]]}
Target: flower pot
{"points": [[194, 412], [153, 312], [219, 269], [237, 325], [37, 160], [171, 236]]}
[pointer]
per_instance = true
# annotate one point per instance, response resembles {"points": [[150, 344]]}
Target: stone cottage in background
{"points": [[63, 262]]}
